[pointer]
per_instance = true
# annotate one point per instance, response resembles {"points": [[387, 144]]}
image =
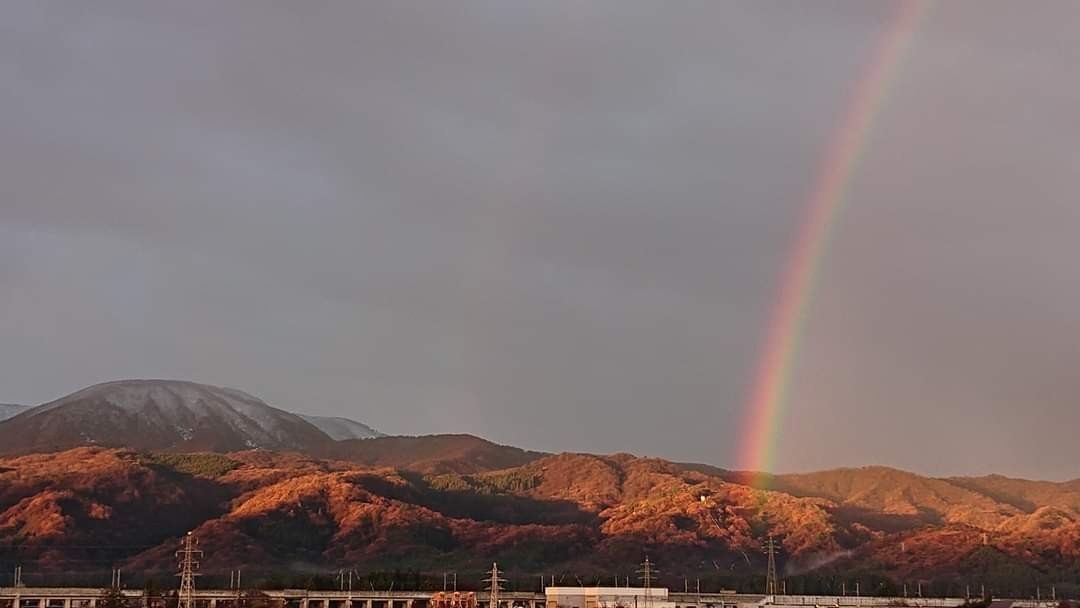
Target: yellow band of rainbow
{"points": [[768, 396]]}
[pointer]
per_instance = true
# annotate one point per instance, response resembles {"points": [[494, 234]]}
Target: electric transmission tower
{"points": [[646, 574], [772, 584], [189, 566], [494, 582]]}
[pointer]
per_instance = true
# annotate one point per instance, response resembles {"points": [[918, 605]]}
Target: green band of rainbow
{"points": [[769, 394]]}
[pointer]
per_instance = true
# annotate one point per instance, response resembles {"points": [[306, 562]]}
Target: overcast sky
{"points": [[557, 225]]}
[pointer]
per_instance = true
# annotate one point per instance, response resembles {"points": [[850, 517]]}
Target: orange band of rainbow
{"points": [[769, 394]]}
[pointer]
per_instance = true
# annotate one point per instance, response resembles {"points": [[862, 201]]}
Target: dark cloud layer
{"points": [[556, 225]]}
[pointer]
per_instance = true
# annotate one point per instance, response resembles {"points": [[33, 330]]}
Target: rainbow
{"points": [[769, 394]]}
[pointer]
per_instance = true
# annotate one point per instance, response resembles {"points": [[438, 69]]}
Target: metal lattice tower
{"points": [[494, 582], [189, 566], [646, 574], [772, 584]]}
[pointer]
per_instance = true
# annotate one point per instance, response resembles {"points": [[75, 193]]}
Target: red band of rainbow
{"points": [[768, 398]]}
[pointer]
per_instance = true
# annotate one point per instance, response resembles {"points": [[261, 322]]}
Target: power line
{"points": [[58, 546]]}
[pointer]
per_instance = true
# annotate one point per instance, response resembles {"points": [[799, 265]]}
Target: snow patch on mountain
{"points": [[167, 414], [339, 428], [9, 410], [177, 405]]}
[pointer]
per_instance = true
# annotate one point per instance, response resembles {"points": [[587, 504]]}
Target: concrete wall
{"points": [[563, 597]]}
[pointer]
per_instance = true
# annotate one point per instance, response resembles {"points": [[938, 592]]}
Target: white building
{"points": [[608, 597]]}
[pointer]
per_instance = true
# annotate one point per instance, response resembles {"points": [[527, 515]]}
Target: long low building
{"points": [[553, 597]]}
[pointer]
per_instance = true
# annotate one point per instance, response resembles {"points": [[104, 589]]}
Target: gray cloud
{"points": [[556, 225]]}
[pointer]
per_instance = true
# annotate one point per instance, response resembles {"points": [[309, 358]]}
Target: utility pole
{"points": [[494, 584], [772, 586], [342, 576], [18, 576], [236, 577], [189, 565]]}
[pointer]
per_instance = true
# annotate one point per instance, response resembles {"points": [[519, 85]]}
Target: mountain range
{"points": [[168, 415], [162, 459]]}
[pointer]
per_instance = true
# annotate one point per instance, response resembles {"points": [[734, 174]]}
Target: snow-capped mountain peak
{"points": [[160, 414]]}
